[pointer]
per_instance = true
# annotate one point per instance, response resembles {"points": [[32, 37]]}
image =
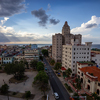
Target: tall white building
{"points": [[74, 52]]}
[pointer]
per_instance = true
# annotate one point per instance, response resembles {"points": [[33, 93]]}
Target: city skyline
{"points": [[32, 21]]}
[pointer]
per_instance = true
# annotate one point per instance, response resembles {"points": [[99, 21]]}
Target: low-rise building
{"points": [[19, 58], [0, 60], [7, 59], [82, 64], [31, 55], [95, 56], [90, 79]]}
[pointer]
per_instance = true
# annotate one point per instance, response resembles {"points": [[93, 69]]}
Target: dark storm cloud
{"points": [[41, 14], [54, 21], [91, 25], [11, 7]]}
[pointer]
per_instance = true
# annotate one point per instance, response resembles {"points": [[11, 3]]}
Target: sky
{"points": [[35, 21]]}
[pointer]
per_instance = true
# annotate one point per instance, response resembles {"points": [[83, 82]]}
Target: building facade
{"points": [[96, 57], [90, 79], [74, 52], [61, 39], [57, 47], [31, 55]]}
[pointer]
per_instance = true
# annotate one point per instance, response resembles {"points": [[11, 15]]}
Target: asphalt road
{"points": [[56, 83]]}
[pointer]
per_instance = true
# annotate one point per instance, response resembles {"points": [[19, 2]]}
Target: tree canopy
{"points": [[16, 69], [52, 62], [4, 88], [33, 64], [57, 66], [42, 79], [68, 72], [45, 52], [40, 66]]}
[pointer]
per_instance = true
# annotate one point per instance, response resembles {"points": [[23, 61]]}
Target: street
{"points": [[56, 83]]}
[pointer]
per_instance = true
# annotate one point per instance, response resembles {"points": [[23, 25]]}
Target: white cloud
{"points": [[3, 21], [90, 38], [88, 26], [21, 36]]}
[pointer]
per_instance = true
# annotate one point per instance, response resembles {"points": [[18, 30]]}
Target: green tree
{"points": [[52, 62], [16, 69], [57, 66], [40, 67], [41, 58], [45, 52], [4, 89], [33, 64], [68, 72], [78, 83], [27, 94], [42, 80]]}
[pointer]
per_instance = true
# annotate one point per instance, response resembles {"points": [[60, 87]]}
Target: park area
{"points": [[18, 89]]}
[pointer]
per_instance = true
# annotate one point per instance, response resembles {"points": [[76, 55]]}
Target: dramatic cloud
{"points": [[8, 34], [3, 38], [11, 7], [85, 27], [43, 17], [41, 14], [54, 21]]}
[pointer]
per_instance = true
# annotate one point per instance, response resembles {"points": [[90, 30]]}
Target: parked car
{"points": [[56, 95]]}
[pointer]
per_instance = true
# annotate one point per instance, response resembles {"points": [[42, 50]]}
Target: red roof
{"points": [[62, 68], [92, 69]]}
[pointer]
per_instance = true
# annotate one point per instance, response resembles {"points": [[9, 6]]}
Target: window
{"points": [[87, 52], [74, 48], [73, 61], [74, 53], [81, 74], [73, 65], [74, 57], [88, 48], [87, 57], [89, 81], [98, 84], [78, 72], [95, 59]]}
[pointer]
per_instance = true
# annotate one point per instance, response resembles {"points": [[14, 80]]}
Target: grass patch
{"points": [[13, 80], [87, 96], [68, 88]]}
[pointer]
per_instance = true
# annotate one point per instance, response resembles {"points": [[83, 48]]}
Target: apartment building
{"points": [[57, 47], [74, 52], [61, 39]]}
